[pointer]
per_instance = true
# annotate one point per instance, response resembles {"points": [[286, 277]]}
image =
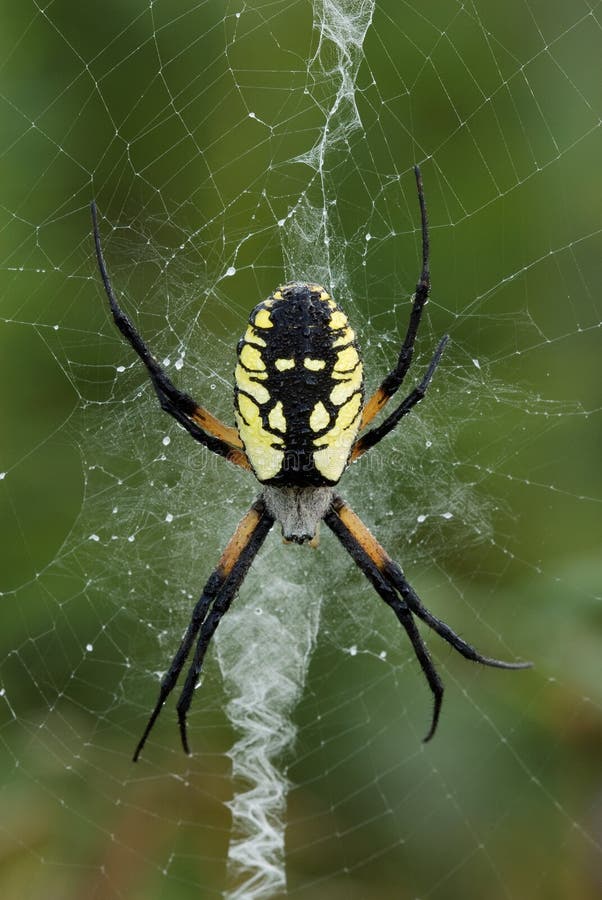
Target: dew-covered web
{"points": [[231, 147]]}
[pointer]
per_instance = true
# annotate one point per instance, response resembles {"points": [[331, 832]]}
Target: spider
{"points": [[301, 421]]}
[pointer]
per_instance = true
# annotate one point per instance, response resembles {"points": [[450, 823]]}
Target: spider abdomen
{"points": [[299, 388]]}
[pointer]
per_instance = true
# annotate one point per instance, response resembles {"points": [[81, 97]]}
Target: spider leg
{"points": [[375, 435], [363, 559], [220, 589], [239, 561], [393, 380], [201, 424], [410, 596], [170, 678], [390, 582]]}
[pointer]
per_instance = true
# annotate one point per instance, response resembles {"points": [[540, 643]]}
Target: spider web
{"points": [[231, 147]]}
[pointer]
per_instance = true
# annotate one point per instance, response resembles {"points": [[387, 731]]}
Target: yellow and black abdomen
{"points": [[299, 388]]}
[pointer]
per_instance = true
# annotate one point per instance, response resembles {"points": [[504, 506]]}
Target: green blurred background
{"points": [[146, 107]]}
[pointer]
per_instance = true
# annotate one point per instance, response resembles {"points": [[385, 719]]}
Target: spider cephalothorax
{"points": [[301, 420]]}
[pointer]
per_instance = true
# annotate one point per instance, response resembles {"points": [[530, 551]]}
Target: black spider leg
{"points": [[396, 576], [392, 382], [399, 607], [170, 678], [219, 609], [394, 379], [219, 590], [381, 569], [372, 437], [173, 401]]}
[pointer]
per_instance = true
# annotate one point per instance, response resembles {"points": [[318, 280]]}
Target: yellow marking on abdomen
{"points": [[265, 458], [347, 360], [283, 364], [246, 382], [348, 413], [319, 417], [343, 391], [314, 365], [248, 410], [349, 382], [251, 337], [347, 337], [276, 418], [251, 358], [263, 319], [338, 320], [334, 447]]}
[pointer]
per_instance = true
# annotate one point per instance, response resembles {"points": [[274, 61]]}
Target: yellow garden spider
{"points": [[300, 411]]}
